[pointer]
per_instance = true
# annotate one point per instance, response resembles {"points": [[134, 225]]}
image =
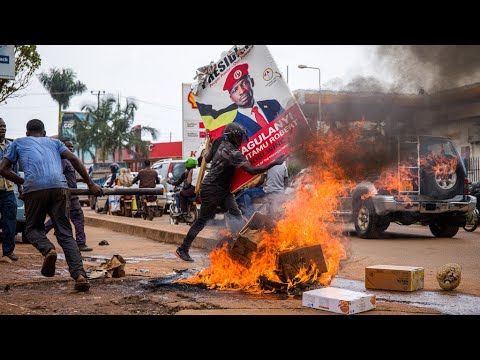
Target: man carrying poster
{"points": [[215, 190]]}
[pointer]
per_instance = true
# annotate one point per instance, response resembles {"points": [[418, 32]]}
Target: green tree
{"points": [[83, 137], [61, 85], [121, 127], [27, 60], [101, 118]]}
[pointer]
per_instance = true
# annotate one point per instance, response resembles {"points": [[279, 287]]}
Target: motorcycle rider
{"points": [[188, 188], [148, 177], [215, 191]]}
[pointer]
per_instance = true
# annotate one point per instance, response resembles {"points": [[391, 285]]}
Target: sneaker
{"points": [[183, 254], [12, 256], [81, 284], [48, 267], [84, 247]]}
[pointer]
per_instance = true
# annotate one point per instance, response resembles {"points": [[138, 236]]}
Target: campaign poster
{"points": [[194, 132], [246, 87]]}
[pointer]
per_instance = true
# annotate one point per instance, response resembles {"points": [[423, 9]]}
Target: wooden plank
{"points": [[201, 173]]}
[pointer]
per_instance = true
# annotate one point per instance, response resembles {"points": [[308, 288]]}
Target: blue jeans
{"points": [[8, 209], [246, 200]]}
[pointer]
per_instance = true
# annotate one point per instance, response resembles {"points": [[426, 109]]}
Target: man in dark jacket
{"points": [[215, 191]]}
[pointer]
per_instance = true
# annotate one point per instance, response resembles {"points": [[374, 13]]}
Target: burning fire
{"points": [[308, 220]]}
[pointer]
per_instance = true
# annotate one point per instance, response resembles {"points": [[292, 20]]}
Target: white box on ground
{"points": [[338, 300]]}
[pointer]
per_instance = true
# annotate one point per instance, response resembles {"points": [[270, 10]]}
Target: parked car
{"points": [[432, 190], [176, 168], [163, 168]]}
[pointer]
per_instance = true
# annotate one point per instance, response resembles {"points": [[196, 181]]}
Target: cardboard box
{"points": [[338, 300], [391, 277], [289, 263], [249, 237]]}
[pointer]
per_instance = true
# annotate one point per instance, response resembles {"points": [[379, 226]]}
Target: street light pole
{"points": [[319, 93]]}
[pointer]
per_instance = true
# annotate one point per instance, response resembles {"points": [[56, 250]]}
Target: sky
{"points": [[153, 74]]}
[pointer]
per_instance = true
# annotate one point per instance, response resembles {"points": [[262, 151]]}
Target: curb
{"points": [[170, 236]]}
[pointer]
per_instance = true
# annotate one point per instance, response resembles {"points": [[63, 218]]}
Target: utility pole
{"points": [[287, 74], [170, 136], [98, 93]]}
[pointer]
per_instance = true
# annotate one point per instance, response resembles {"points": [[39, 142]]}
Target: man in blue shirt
{"points": [[8, 203], [76, 212], [45, 191]]}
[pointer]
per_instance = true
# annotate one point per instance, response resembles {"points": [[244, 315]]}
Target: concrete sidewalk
{"points": [[159, 229]]}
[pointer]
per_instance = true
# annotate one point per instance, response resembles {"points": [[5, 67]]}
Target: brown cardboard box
{"points": [[290, 262], [392, 277], [249, 237]]}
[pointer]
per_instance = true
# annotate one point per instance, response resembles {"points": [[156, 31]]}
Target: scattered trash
{"points": [[5, 259], [113, 268], [338, 300], [449, 276], [144, 270], [103, 242], [392, 277]]}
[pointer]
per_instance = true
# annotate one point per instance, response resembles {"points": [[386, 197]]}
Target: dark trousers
{"points": [[246, 200], [211, 199], [184, 195], [78, 220], [54, 203], [8, 210]]}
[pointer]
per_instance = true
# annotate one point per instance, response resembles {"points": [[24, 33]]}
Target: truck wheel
{"points": [[443, 231], [442, 182], [368, 224]]}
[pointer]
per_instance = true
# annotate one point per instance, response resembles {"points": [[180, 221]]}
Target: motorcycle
{"points": [[150, 207], [473, 216], [192, 211], [126, 205], [176, 217]]}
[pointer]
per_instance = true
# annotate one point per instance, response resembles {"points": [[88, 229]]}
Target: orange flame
{"points": [[308, 220]]}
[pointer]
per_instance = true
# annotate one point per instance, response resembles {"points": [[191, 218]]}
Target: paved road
{"points": [[401, 245], [25, 291]]}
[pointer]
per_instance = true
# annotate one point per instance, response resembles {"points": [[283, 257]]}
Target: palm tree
{"points": [[61, 85], [101, 119], [123, 133], [83, 137]]}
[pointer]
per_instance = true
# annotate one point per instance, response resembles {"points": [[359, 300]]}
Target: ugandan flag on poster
{"points": [[216, 120]]}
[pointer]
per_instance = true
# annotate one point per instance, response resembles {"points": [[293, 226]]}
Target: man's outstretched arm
{"points": [[254, 170], [77, 164]]}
